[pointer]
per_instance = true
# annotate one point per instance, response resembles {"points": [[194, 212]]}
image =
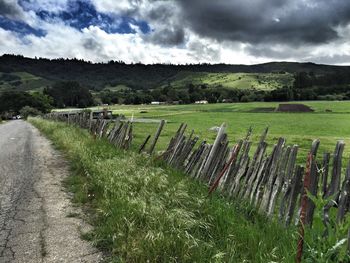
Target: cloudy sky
{"points": [[178, 31]]}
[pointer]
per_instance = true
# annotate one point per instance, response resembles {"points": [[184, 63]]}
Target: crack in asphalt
{"points": [[34, 226]]}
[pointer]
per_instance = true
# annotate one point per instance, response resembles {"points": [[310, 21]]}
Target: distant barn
{"points": [[201, 102], [293, 108]]}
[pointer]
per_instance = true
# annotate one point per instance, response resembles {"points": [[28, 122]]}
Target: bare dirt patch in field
{"points": [[293, 108]]}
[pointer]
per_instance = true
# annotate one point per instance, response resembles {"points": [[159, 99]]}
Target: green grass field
{"points": [[28, 82], [135, 199], [143, 211], [297, 128], [260, 81]]}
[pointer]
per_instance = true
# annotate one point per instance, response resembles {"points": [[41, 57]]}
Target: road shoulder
{"points": [[39, 226], [62, 232]]}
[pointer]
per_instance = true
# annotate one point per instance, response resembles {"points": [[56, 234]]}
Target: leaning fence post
{"points": [[306, 203], [214, 148], [344, 196], [224, 170], [156, 137], [143, 145], [90, 119], [303, 208]]}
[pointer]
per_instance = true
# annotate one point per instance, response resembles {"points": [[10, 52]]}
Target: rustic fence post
{"points": [[272, 175], [213, 149], [232, 160], [90, 119], [143, 145], [156, 137], [334, 186], [325, 171], [296, 190], [287, 185], [306, 208], [344, 196]]}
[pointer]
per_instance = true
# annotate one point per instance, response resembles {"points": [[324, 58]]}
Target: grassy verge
{"points": [[330, 122], [142, 211]]}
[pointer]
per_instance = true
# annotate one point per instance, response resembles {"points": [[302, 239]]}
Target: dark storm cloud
{"points": [[167, 36], [12, 19], [268, 51], [10, 9], [335, 59], [168, 30], [92, 44], [293, 22]]}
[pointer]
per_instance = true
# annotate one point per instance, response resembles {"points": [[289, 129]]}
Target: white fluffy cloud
{"points": [[119, 6], [172, 38], [48, 5], [96, 45]]}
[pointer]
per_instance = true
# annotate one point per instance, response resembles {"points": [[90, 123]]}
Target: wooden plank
{"points": [[143, 145], [263, 178], [334, 185], [234, 169], [213, 150], [219, 162], [325, 172], [193, 160], [203, 161], [306, 209], [253, 167], [272, 175], [296, 190], [242, 169], [90, 119], [156, 137], [171, 145], [229, 177], [280, 178], [258, 180], [128, 137], [218, 158], [114, 129], [344, 196], [313, 184], [333, 190], [287, 186], [177, 150], [178, 140], [174, 143], [233, 158], [186, 154]]}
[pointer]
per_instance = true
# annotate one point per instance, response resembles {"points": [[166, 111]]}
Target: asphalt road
{"points": [[35, 225]]}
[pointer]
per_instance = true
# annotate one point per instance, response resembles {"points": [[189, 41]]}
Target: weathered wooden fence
{"points": [[272, 181]]}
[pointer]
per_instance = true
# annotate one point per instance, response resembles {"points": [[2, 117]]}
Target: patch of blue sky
{"points": [[20, 27], [82, 14]]}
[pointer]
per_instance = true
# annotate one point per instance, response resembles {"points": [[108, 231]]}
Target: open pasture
{"points": [[260, 81], [329, 122]]}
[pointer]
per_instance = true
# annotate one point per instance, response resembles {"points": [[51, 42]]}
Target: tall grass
{"points": [[143, 211]]}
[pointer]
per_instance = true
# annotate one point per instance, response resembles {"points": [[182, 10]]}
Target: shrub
{"points": [[27, 111]]}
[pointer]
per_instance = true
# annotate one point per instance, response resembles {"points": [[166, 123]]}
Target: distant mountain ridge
{"points": [[137, 76]]}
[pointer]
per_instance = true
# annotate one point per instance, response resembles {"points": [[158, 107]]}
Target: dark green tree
{"points": [[14, 101], [71, 94]]}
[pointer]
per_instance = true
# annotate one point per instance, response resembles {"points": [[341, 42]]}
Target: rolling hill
{"points": [[20, 73]]}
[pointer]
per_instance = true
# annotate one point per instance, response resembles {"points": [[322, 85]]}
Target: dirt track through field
{"points": [[35, 212]]}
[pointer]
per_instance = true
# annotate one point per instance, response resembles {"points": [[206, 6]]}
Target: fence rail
{"points": [[272, 182]]}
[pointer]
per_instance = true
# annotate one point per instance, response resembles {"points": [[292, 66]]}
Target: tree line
{"points": [[61, 95], [306, 86]]}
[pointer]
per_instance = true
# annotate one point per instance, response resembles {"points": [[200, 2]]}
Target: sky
{"points": [[178, 31]]}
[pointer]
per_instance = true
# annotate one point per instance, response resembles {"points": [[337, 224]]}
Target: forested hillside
{"points": [[27, 73], [68, 82]]}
